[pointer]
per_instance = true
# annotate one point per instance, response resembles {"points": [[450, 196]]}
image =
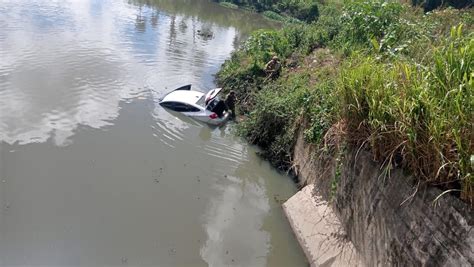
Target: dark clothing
{"points": [[219, 108], [230, 103], [272, 69]]}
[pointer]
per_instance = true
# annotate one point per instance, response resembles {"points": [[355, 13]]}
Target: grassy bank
{"points": [[400, 80], [281, 10]]}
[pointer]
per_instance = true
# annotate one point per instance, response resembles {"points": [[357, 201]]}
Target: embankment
{"points": [[390, 220], [374, 109]]}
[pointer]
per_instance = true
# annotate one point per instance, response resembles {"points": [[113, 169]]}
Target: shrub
{"points": [[305, 10], [363, 21]]}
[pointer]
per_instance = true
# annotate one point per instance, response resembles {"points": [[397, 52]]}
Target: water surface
{"points": [[94, 173]]}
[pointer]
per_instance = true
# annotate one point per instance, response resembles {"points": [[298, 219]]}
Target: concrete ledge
{"points": [[319, 231]]}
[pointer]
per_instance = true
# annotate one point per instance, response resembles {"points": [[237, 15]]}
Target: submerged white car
{"points": [[205, 107]]}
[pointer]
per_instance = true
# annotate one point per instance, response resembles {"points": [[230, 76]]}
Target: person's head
{"points": [[232, 93], [275, 58]]}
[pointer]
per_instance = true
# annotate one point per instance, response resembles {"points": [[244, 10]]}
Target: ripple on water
{"points": [[219, 148], [169, 131]]}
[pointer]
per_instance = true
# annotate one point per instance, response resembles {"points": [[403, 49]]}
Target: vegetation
{"points": [[429, 5], [280, 18], [229, 5], [399, 79], [304, 10]]}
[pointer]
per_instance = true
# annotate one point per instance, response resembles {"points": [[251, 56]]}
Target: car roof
{"points": [[184, 96]]}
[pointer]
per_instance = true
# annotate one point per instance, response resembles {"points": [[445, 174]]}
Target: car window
{"points": [[201, 101], [213, 103], [169, 105], [180, 107], [189, 108]]}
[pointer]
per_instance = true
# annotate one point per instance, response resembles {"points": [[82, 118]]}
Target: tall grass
{"points": [[421, 116], [283, 10], [229, 5], [404, 87]]}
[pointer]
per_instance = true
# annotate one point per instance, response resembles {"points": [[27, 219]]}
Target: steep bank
{"points": [[402, 81], [390, 220], [282, 10], [384, 82]]}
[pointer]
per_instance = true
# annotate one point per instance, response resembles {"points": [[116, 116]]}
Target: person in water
{"points": [[230, 103], [272, 68]]}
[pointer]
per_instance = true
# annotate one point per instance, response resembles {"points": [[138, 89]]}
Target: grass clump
{"points": [[421, 117], [402, 81], [229, 5], [281, 10], [278, 17]]}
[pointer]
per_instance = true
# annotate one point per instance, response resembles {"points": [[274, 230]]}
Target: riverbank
{"points": [[371, 219], [283, 11], [388, 79], [397, 87]]}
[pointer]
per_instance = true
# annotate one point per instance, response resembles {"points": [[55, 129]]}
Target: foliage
{"points": [[422, 115], [274, 16], [429, 5], [270, 123], [304, 10], [404, 87], [278, 17], [229, 5], [364, 20]]}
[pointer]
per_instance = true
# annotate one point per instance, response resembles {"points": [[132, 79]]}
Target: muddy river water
{"points": [[94, 173]]}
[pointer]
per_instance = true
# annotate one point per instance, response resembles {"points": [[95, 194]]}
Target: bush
{"points": [[305, 10], [363, 21]]}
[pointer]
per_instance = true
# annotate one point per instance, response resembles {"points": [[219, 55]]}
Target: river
{"points": [[94, 173]]}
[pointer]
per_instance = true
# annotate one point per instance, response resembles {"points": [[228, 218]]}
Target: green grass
{"points": [[277, 17], [229, 5], [422, 114], [281, 10], [403, 84]]}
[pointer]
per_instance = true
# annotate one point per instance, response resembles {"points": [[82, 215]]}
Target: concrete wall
{"points": [[392, 222], [389, 221], [319, 231]]}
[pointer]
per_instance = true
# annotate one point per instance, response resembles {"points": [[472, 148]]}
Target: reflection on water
{"points": [[69, 64], [234, 217], [94, 173]]}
